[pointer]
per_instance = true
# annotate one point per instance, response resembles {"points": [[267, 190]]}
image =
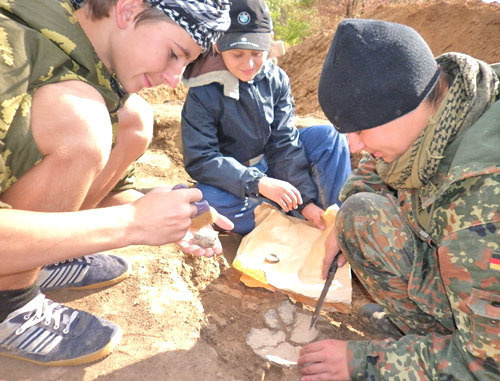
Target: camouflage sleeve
{"points": [[431, 357], [469, 261], [364, 179]]}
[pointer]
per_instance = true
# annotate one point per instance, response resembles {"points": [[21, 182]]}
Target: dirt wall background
{"points": [[470, 27]]}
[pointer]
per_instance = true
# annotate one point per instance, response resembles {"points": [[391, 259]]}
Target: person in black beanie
{"points": [[419, 222]]}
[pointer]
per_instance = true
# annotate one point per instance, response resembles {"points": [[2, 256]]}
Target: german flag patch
{"points": [[495, 262]]}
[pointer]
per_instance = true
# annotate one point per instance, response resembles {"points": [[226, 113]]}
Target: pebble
{"points": [[271, 319], [286, 311], [205, 237]]}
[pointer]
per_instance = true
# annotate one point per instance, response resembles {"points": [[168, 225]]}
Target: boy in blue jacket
{"points": [[239, 139]]}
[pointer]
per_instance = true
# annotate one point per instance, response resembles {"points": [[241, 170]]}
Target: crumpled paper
{"points": [[299, 248]]}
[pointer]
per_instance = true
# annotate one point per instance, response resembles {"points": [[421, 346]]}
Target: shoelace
{"points": [[48, 311], [87, 259]]}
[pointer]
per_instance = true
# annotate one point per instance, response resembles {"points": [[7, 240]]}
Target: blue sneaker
{"points": [[47, 333], [91, 271]]}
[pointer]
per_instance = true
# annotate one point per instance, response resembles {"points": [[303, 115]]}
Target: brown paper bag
{"points": [[299, 247]]}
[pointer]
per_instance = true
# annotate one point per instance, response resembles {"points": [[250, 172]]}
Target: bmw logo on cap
{"points": [[243, 18]]}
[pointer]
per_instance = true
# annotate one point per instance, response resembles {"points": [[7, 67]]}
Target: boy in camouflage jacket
{"points": [[68, 132], [420, 220]]}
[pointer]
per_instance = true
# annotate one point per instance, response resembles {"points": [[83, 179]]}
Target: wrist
{"points": [[253, 187], [357, 364], [302, 206], [126, 224]]}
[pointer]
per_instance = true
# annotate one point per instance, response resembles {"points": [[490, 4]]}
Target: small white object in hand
{"points": [[205, 237]]}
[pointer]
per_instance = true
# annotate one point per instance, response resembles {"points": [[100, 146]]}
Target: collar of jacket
{"points": [[476, 154], [211, 69]]}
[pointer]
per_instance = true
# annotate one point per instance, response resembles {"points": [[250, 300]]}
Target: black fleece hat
{"points": [[375, 72], [250, 29]]}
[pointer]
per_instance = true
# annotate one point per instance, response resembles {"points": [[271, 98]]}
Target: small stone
{"points": [[286, 311], [221, 322], [271, 319], [251, 305], [205, 238]]}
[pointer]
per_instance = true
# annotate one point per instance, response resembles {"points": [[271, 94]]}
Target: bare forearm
{"points": [[32, 239]]}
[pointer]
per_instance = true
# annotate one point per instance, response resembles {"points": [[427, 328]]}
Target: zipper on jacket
{"points": [[260, 111], [426, 237], [422, 233]]}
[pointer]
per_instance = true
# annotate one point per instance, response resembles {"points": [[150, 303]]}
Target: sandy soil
{"points": [[187, 318]]}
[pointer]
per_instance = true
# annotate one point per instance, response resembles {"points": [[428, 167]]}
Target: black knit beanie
{"points": [[375, 72]]}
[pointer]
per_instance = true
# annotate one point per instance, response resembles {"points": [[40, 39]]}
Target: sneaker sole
{"points": [[110, 282], [91, 357]]}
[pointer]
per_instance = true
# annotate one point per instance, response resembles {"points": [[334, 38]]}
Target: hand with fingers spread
{"points": [[324, 360], [188, 246], [281, 192]]}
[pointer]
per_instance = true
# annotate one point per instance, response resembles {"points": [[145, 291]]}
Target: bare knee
{"points": [[75, 130], [88, 151], [93, 155], [135, 128]]}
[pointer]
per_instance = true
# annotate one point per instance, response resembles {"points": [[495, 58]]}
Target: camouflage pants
{"points": [[399, 270]]}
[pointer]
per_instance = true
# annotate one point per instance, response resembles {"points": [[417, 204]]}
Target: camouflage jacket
{"points": [[464, 231], [41, 42]]}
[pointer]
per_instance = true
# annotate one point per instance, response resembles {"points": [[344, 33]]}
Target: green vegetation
{"points": [[293, 19]]}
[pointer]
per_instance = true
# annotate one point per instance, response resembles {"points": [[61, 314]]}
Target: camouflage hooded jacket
{"points": [[41, 42], [464, 230]]}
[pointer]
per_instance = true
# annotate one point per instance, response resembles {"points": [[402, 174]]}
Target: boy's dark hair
{"points": [[99, 9], [439, 91]]}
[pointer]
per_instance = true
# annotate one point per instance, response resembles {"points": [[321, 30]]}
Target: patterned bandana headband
{"points": [[203, 20]]}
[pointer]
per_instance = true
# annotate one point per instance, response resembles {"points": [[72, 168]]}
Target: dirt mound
{"points": [[164, 93], [470, 27]]}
